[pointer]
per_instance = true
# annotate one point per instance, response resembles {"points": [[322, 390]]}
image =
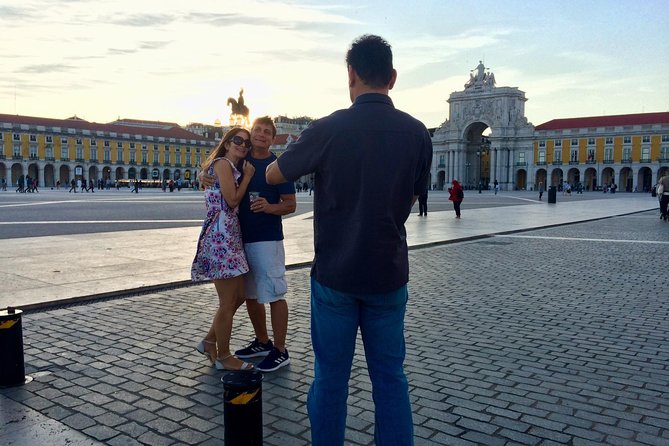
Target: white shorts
{"points": [[266, 280]]}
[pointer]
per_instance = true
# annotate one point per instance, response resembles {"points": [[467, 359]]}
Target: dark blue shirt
{"points": [[369, 162], [262, 227]]}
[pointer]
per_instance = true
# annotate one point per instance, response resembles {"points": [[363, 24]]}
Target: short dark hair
{"points": [[265, 120], [372, 58]]}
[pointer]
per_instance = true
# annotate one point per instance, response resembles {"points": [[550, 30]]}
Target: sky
{"points": [[179, 61]]}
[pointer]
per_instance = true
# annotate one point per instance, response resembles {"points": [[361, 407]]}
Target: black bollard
{"points": [[12, 370], [242, 409]]}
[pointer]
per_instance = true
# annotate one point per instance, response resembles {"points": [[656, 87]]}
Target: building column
{"points": [[40, 174]]}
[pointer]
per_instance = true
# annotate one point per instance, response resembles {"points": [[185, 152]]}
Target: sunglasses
{"points": [[241, 141]]}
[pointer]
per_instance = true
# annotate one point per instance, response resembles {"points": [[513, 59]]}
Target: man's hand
{"points": [[260, 205], [206, 180]]}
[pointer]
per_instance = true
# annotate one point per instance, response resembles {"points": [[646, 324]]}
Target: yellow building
{"points": [[56, 151], [631, 151]]}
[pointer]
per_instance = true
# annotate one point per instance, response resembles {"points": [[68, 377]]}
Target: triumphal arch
{"points": [[487, 140]]}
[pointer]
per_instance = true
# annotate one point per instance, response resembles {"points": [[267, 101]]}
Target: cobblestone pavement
{"points": [[546, 337]]}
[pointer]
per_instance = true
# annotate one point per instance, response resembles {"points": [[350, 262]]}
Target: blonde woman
{"points": [[220, 254]]}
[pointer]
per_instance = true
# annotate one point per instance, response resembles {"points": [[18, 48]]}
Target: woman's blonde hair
{"points": [[220, 149]]}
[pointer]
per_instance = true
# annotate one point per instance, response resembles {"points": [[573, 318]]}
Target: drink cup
{"points": [[253, 196]]}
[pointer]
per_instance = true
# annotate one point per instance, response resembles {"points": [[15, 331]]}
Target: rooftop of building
{"points": [[605, 121]]}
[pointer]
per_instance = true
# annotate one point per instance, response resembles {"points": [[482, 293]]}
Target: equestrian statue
{"points": [[240, 112]]}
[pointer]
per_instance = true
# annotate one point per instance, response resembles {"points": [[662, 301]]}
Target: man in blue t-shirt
{"points": [[262, 234], [371, 161]]}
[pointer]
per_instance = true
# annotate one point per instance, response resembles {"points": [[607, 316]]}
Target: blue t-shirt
{"points": [[262, 227], [369, 161]]}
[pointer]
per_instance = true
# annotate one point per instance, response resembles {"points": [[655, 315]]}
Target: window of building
{"points": [[107, 155], [627, 154], [167, 153], [94, 154], [608, 154], [645, 154], [558, 143], [627, 139], [33, 138], [591, 141], [665, 138], [32, 151], [442, 160], [94, 143], [155, 154], [48, 152], [16, 137], [63, 140], [49, 138], [132, 145], [16, 151], [64, 155], [119, 145], [107, 144], [557, 155], [0, 136], [145, 157], [521, 158], [80, 141], [609, 140], [119, 153], [664, 153], [574, 142], [542, 156], [646, 138], [132, 156], [573, 156], [198, 160], [188, 159], [591, 154], [542, 143], [79, 152]]}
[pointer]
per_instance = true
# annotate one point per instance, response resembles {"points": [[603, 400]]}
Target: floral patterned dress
{"points": [[220, 253]]}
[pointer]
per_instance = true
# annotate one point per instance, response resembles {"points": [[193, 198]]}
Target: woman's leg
{"points": [[230, 297]]}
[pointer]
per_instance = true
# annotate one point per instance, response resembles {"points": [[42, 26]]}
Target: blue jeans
{"points": [[335, 318]]}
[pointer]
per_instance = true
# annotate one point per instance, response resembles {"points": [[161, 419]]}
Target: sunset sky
{"points": [[179, 61]]}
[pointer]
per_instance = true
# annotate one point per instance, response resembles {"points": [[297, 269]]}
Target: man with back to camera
{"points": [[361, 267], [262, 234]]}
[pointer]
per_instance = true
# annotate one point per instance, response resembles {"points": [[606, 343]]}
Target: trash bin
{"points": [[242, 408], [552, 194], [12, 369]]}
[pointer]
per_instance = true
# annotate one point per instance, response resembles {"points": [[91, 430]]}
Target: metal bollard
{"points": [[242, 408], [12, 370]]}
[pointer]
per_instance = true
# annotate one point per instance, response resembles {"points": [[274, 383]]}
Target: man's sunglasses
{"points": [[241, 141]]}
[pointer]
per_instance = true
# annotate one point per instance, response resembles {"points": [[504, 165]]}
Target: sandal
{"points": [[245, 366], [200, 348]]}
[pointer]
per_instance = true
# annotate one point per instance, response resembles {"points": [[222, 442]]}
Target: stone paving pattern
{"points": [[510, 341]]}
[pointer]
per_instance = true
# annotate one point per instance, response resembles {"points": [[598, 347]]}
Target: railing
{"points": [[132, 163], [119, 162], [663, 160], [573, 163], [65, 159], [33, 157], [627, 160], [50, 158], [590, 161], [79, 160], [521, 163], [17, 157], [441, 165], [645, 160], [93, 160], [541, 163], [557, 163], [607, 162], [167, 163], [156, 163], [2, 157]]}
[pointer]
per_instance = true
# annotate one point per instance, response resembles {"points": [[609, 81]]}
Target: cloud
{"points": [[11, 14], [44, 68], [140, 20], [120, 51], [154, 45]]}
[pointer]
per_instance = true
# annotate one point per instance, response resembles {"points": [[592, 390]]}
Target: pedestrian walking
{"points": [[456, 195], [541, 190]]}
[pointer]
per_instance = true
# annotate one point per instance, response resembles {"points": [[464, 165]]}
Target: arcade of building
{"points": [[486, 139]]}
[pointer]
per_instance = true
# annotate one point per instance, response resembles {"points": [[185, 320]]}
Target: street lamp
{"points": [[467, 164]]}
